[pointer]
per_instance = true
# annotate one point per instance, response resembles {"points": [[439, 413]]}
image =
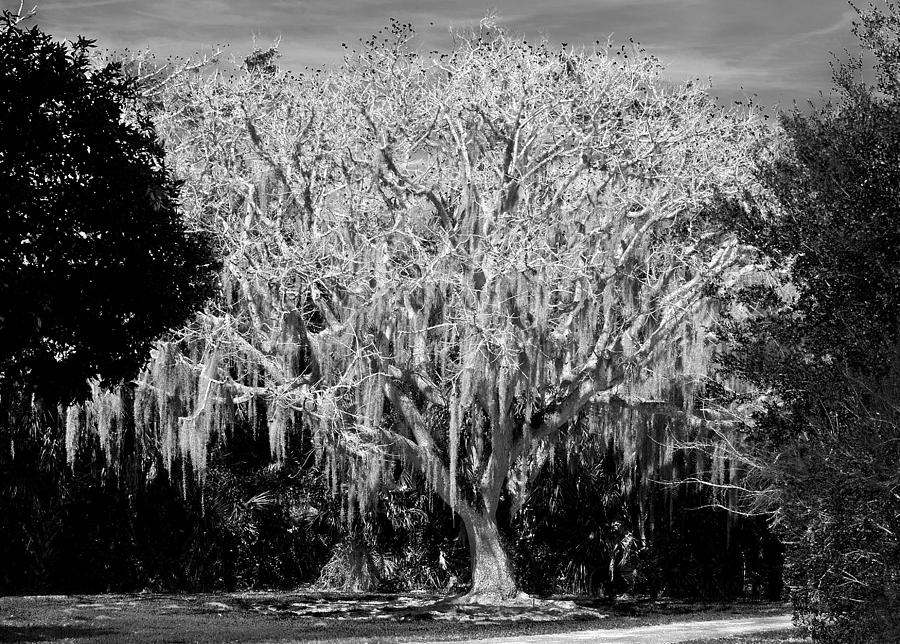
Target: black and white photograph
{"points": [[389, 321]]}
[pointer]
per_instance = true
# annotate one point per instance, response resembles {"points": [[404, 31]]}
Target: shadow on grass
{"points": [[50, 633], [328, 617]]}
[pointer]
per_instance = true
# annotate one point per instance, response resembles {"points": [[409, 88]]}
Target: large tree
{"points": [[95, 260], [441, 263], [819, 345]]}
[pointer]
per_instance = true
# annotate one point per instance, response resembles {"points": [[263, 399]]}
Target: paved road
{"points": [[663, 634]]}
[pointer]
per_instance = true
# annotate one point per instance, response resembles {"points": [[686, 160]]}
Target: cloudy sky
{"points": [[779, 49]]}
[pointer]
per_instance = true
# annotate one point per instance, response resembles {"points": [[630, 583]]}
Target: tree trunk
{"points": [[362, 575], [493, 580]]}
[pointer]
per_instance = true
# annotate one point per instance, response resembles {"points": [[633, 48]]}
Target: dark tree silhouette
{"points": [[95, 260], [823, 345]]}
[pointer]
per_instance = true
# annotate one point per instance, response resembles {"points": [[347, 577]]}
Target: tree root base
{"points": [[488, 598], [518, 600]]}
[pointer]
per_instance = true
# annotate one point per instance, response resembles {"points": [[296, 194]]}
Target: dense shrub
{"points": [[593, 525], [823, 345], [94, 527], [840, 516]]}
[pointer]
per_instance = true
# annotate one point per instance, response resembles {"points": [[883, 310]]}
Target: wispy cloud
{"points": [[761, 45]]}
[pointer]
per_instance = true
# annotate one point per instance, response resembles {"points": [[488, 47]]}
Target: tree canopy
{"points": [[439, 264], [96, 262]]}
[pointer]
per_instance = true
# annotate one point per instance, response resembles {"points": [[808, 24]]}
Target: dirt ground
{"points": [[672, 633], [321, 617]]}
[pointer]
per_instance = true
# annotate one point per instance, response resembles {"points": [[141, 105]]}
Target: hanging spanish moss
{"points": [[455, 268]]}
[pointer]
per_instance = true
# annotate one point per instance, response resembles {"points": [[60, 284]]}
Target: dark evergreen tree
{"points": [[95, 260], [822, 345]]}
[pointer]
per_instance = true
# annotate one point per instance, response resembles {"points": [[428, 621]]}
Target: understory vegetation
{"points": [[252, 526]]}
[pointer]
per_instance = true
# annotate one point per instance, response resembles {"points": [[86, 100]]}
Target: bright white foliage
{"points": [[447, 260]]}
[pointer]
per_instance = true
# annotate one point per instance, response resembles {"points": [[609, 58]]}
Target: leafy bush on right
{"points": [[821, 344]]}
